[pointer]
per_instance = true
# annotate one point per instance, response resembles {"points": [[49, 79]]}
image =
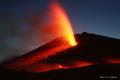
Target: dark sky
{"points": [[17, 37]]}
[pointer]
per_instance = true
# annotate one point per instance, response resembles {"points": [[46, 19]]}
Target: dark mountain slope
{"points": [[94, 72], [103, 54], [91, 49]]}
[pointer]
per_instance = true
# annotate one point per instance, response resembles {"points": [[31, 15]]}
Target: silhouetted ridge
{"points": [[91, 49]]}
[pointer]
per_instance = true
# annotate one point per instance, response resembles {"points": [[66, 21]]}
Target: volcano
{"points": [[92, 53], [94, 57]]}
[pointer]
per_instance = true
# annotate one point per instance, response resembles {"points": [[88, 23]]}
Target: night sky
{"points": [[18, 18]]}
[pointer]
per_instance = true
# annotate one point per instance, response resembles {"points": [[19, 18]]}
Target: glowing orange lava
{"points": [[65, 39], [62, 22]]}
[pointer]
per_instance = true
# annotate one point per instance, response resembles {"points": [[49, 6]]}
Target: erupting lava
{"points": [[44, 58], [62, 22], [65, 39]]}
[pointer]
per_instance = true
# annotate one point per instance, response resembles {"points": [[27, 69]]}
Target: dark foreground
{"points": [[94, 72]]}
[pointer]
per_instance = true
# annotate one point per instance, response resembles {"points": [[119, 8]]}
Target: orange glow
{"points": [[44, 51], [82, 63], [62, 23], [47, 67]]}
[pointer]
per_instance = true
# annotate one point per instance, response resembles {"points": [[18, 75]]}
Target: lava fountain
{"points": [[62, 22]]}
